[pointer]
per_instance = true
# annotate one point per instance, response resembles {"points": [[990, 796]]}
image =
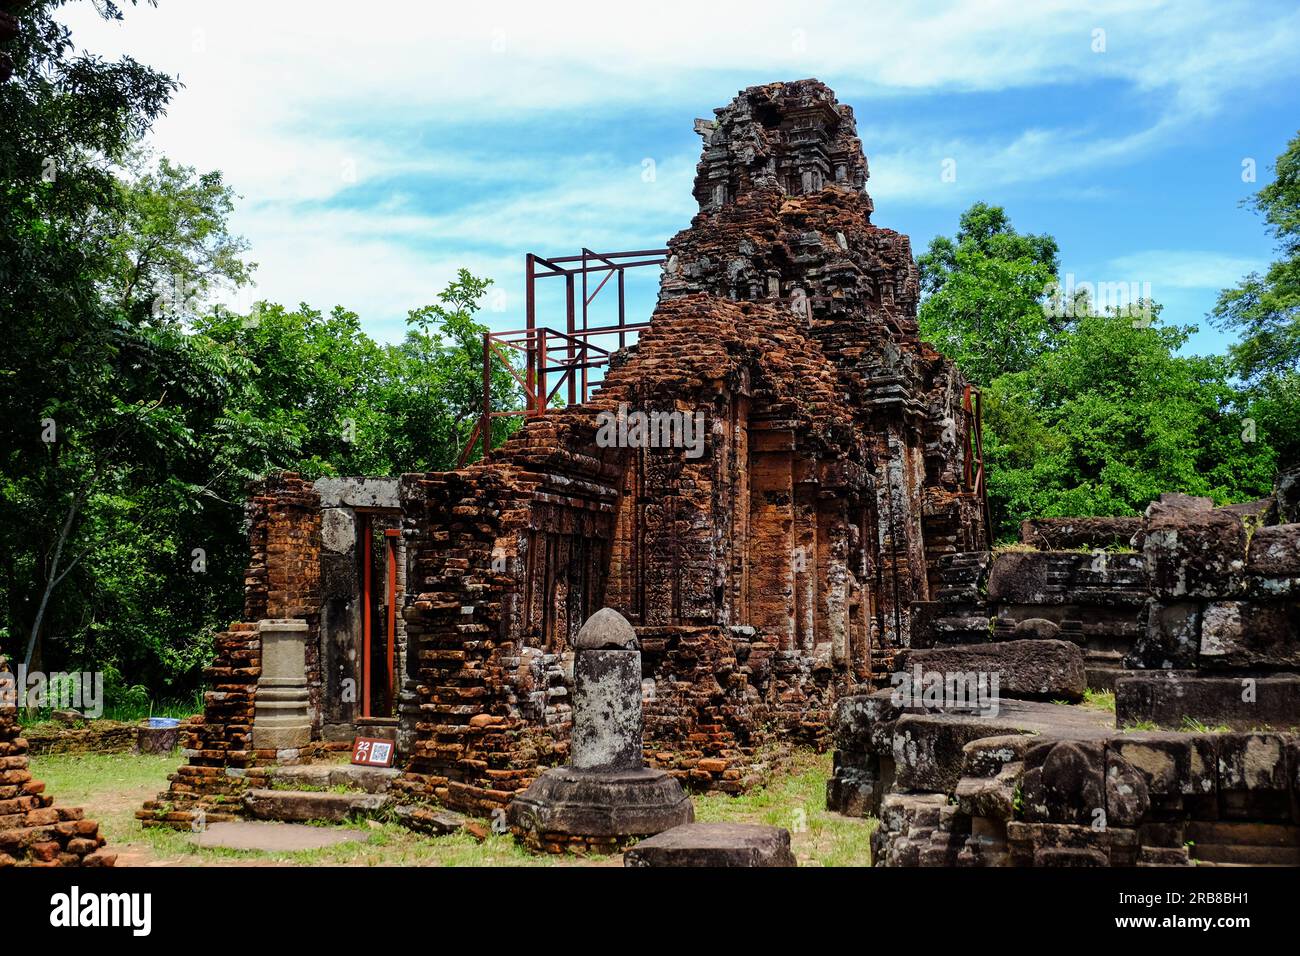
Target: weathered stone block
{"points": [[1254, 782], [1119, 845], [1066, 534], [987, 756], [1246, 634], [1024, 669], [990, 797], [1064, 782], [1171, 764], [1193, 549], [1175, 699], [715, 845], [1172, 638], [1274, 561], [1127, 797], [928, 752]]}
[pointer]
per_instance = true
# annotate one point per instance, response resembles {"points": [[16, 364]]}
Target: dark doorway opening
{"points": [[378, 553]]}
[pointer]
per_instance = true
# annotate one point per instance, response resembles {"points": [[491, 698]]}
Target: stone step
{"points": [[332, 776], [1244, 834], [1162, 856], [300, 806], [1246, 855], [429, 820], [1208, 863], [714, 845]]}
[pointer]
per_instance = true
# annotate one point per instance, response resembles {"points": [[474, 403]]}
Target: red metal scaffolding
{"points": [[973, 406], [555, 358]]}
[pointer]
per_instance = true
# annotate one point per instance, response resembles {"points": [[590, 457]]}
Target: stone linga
{"points": [[607, 795]]}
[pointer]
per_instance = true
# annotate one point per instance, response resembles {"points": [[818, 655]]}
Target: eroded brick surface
{"points": [[33, 831], [760, 573]]}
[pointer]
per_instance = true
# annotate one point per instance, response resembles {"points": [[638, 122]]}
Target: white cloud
{"points": [[284, 97], [913, 173], [1182, 268], [390, 258]]}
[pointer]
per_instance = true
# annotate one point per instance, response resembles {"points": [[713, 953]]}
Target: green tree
{"points": [[440, 398], [985, 294], [65, 426], [1084, 413], [309, 396], [1265, 312], [1112, 417], [169, 237]]}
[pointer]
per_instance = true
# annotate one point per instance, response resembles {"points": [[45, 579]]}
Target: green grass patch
{"points": [[1198, 727], [1099, 699], [796, 799], [111, 787], [1012, 547], [1139, 725]]}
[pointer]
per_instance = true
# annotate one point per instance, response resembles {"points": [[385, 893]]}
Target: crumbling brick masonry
{"points": [[33, 831], [765, 574]]}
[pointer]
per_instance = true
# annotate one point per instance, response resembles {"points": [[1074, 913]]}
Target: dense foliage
{"points": [[1265, 312], [134, 411], [1094, 410], [984, 294]]}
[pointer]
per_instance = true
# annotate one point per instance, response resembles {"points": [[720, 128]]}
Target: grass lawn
{"points": [[111, 787], [796, 800]]}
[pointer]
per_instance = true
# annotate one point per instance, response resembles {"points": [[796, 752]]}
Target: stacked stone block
{"points": [[1214, 663], [1222, 644]]}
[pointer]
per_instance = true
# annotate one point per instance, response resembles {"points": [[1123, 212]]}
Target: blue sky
{"points": [[378, 149]]}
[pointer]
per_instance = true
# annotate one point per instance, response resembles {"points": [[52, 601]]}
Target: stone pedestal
{"points": [[281, 718], [568, 806], [607, 795]]}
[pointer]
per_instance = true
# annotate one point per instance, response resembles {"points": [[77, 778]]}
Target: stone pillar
{"points": [[281, 718], [606, 795], [607, 696]]}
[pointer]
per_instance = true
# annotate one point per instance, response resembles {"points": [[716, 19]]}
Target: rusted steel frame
{"points": [[390, 540], [367, 592], [578, 270], [607, 256], [469, 446]]}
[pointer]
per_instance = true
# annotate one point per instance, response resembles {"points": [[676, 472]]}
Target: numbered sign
{"points": [[372, 752]]}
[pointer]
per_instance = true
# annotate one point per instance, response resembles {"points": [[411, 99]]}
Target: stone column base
{"points": [[281, 715], [590, 811]]}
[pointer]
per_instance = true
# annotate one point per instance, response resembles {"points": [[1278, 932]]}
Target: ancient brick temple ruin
{"points": [[780, 487], [766, 569]]}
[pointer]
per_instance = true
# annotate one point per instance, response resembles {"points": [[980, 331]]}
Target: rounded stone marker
{"points": [[606, 695], [606, 630], [606, 795]]}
